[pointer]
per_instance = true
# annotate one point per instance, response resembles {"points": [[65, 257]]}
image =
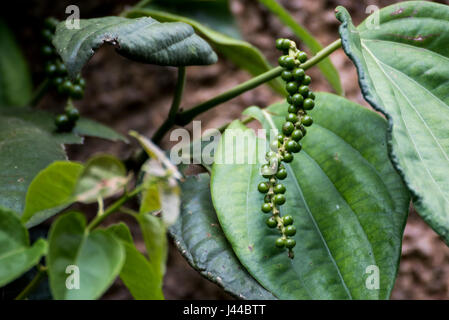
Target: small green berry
{"points": [[307, 80], [302, 56], [266, 207], [289, 99], [288, 127], [263, 187], [308, 104], [51, 23], [286, 45], [61, 68], [66, 87], [269, 155], [292, 117], [291, 87], [281, 138], [281, 60], [311, 95], [287, 220], [290, 230], [81, 82], [293, 146], [307, 120], [292, 109], [63, 123], [279, 188], [76, 92], [48, 51], [72, 113], [50, 69], [47, 35], [303, 90], [279, 44], [297, 135], [281, 174], [280, 242], [288, 157], [289, 63], [267, 199], [290, 243], [57, 81], [298, 74], [297, 100], [266, 171], [271, 222], [275, 145], [286, 75]]}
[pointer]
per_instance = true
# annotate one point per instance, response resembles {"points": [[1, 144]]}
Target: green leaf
{"points": [[51, 191], [199, 238], [155, 238], [15, 78], [98, 256], [403, 68], [137, 273], [91, 128], [102, 177], [16, 255], [348, 203], [144, 40], [207, 19], [326, 66]]}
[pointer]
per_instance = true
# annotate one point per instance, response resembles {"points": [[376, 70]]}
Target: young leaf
{"points": [[51, 191], [102, 177], [402, 58], [326, 66], [199, 238], [15, 78], [209, 24], [16, 255], [154, 235], [348, 203], [144, 40], [76, 257], [138, 275]]}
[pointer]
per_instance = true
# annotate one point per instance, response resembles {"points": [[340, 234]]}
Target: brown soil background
{"points": [[128, 95]]}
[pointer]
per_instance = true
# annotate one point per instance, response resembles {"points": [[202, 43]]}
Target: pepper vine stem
{"points": [[170, 121], [113, 208], [40, 275], [187, 116]]}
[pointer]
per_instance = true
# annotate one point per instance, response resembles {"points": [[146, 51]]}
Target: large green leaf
{"points": [[403, 68], [208, 20], [51, 191], [201, 241], [98, 256], [155, 238], [348, 203], [16, 255], [326, 66], [15, 78], [137, 273], [144, 39]]}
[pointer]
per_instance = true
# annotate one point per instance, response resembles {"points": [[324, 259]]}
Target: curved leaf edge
{"points": [[344, 30]]}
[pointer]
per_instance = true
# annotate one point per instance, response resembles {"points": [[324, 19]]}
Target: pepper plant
{"points": [[336, 193]]}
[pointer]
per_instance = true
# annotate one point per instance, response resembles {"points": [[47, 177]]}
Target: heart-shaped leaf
{"points": [[16, 255], [199, 238], [81, 265], [213, 21], [138, 275], [15, 78], [348, 203], [402, 58], [51, 191], [144, 40], [103, 176]]}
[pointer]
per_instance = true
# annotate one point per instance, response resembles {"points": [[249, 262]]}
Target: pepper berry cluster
{"points": [[300, 99], [56, 72]]}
